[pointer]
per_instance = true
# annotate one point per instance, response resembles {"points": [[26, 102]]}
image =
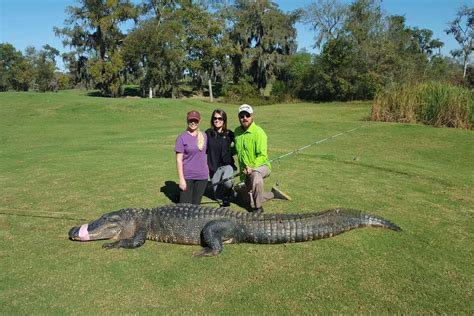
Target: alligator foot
{"points": [[206, 252], [111, 245]]}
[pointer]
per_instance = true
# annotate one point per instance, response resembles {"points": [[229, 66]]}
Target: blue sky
{"points": [[30, 22]]}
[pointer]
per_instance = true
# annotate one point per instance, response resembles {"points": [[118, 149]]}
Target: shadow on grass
{"points": [[234, 198], [209, 192], [128, 91], [171, 191], [237, 201], [95, 93], [355, 162]]}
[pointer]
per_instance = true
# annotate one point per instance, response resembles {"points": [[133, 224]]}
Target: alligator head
{"points": [[114, 225]]}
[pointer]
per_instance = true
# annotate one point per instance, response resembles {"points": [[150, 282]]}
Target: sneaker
{"points": [[278, 194]]}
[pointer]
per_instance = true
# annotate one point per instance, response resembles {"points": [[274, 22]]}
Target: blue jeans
{"points": [[222, 190]]}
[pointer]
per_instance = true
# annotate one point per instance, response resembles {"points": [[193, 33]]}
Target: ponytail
{"points": [[200, 140]]}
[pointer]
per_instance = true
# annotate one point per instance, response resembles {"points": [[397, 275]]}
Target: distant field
{"points": [[66, 158]]}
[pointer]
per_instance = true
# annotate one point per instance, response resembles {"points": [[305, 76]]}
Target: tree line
{"points": [[239, 49]]}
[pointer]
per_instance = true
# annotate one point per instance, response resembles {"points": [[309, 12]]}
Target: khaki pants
{"points": [[253, 193]]}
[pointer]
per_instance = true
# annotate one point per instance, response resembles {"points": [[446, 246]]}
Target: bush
{"points": [[64, 81], [431, 103], [280, 93], [237, 92], [245, 92]]}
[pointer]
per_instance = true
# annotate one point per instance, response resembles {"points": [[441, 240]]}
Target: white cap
{"points": [[245, 108]]}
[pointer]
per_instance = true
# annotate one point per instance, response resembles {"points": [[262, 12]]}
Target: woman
{"points": [[220, 142], [191, 161]]}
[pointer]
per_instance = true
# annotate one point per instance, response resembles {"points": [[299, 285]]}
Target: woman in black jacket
{"points": [[220, 143]]}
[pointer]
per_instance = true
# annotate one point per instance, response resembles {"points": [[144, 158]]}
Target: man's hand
{"points": [[248, 171]]}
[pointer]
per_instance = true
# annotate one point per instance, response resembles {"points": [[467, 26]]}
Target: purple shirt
{"points": [[194, 160]]}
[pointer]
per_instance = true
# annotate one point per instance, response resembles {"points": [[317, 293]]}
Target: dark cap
{"points": [[194, 115]]}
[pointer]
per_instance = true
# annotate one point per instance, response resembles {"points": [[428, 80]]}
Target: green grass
{"points": [[67, 158]]}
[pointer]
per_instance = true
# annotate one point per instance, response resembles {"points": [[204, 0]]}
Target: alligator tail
{"points": [[376, 221], [285, 228]]}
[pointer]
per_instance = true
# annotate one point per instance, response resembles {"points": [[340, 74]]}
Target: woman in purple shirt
{"points": [[191, 161]]}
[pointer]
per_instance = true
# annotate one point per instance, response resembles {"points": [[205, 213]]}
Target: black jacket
{"points": [[219, 149]]}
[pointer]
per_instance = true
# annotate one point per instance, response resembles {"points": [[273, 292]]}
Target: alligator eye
{"points": [[113, 218]]}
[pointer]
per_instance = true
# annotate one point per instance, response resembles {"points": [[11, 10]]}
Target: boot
{"points": [[225, 202], [278, 194]]}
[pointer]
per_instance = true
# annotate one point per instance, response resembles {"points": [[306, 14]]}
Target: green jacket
{"points": [[251, 147]]}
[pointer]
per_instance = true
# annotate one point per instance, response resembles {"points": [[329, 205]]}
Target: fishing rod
{"points": [[39, 214], [289, 154]]}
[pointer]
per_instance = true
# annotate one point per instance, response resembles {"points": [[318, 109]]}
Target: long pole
{"points": [[291, 153]]}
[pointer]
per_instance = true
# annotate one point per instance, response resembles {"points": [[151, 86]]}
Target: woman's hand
{"points": [[182, 185], [179, 167]]}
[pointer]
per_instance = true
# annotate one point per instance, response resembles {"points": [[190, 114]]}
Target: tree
{"points": [[76, 63], [365, 29], [43, 65], [159, 9], [336, 75], [423, 39], [16, 71], [45, 69], [327, 19], [462, 28], [205, 45], [93, 29], [404, 53], [9, 58], [156, 46], [365, 22], [263, 37], [293, 75], [22, 75], [368, 52]]}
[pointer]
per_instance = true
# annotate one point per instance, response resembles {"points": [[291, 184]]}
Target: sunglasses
{"points": [[193, 121], [217, 118], [244, 114]]}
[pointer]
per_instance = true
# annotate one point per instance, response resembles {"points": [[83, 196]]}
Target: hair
{"points": [[200, 140], [224, 117]]}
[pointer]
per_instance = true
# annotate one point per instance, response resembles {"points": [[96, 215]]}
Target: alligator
{"points": [[212, 227]]}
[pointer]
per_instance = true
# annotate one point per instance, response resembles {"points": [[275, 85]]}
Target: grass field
{"points": [[67, 158]]}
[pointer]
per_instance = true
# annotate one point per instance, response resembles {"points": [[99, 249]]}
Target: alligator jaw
{"points": [[73, 233], [79, 233]]}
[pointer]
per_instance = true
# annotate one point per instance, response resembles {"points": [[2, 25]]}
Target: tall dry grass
{"points": [[431, 103]]}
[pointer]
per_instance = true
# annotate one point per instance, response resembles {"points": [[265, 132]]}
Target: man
{"points": [[251, 148]]}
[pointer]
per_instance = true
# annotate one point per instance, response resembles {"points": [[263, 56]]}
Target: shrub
{"points": [[431, 103], [237, 92], [64, 81], [245, 92]]}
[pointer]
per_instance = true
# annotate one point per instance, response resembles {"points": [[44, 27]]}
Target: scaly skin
{"points": [[211, 227]]}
